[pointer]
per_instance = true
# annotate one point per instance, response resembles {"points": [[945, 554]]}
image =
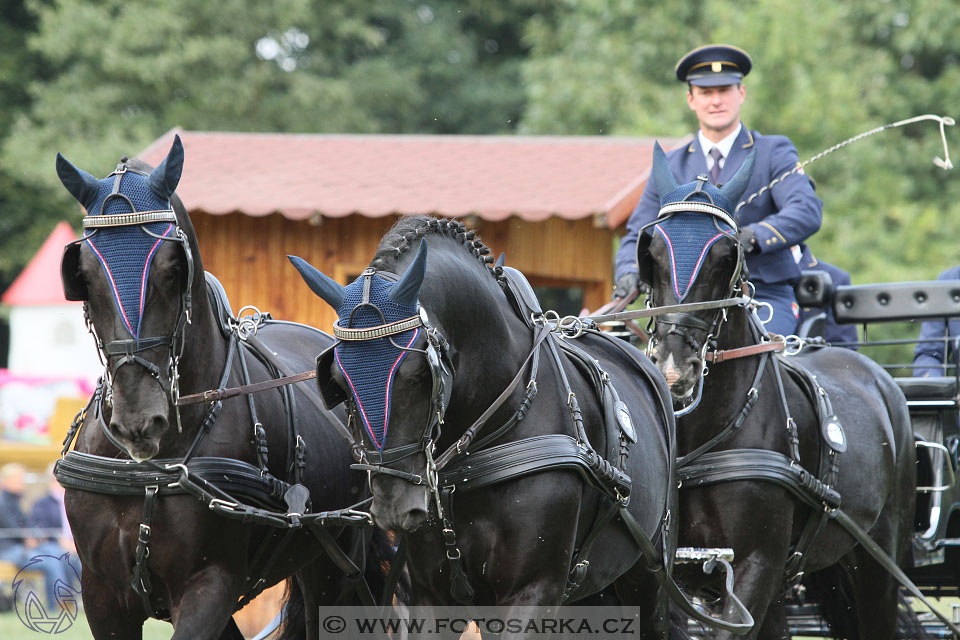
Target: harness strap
{"points": [[794, 436], [460, 587], [310, 391], [655, 565], [110, 476], [752, 396], [342, 560], [393, 577], [256, 580], [759, 464], [212, 395], [463, 444], [532, 455], [722, 355], [140, 580], [581, 563], [887, 563]]}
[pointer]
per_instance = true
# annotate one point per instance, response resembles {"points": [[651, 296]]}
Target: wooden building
{"points": [[553, 205]]}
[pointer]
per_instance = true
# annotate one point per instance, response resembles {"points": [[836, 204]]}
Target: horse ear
{"points": [[81, 185], [662, 175], [734, 189], [407, 289], [165, 178], [502, 260], [321, 284]]}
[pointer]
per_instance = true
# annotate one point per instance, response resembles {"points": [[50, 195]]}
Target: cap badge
{"points": [[716, 67]]}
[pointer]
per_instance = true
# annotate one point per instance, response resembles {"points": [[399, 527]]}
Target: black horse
{"points": [[162, 327], [776, 501], [502, 499]]}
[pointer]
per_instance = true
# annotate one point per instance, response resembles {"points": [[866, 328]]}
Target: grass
{"points": [[12, 629]]}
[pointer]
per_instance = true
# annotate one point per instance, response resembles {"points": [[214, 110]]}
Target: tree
{"points": [[120, 73], [823, 72]]}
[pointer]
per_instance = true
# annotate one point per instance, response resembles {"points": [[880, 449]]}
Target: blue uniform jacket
{"points": [[928, 356], [11, 517], [783, 216], [832, 331], [45, 514]]}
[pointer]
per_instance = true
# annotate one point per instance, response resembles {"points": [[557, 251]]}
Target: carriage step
{"points": [[698, 554]]}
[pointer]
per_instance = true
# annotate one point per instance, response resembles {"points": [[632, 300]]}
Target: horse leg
{"points": [[757, 582], [875, 592], [774, 625], [322, 584], [108, 619], [640, 590], [205, 606]]}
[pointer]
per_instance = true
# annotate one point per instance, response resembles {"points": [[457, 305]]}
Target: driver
{"points": [[781, 217]]}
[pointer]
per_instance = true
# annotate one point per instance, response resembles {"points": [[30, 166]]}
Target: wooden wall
{"points": [[248, 255]]}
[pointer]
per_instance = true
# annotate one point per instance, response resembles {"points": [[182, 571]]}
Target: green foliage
{"points": [[95, 79], [99, 78], [823, 72]]}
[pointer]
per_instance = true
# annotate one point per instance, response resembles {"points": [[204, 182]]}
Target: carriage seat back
{"points": [[521, 295], [814, 289], [931, 388], [220, 304]]}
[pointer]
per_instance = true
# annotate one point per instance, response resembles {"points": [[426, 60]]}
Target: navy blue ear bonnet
{"points": [[690, 192], [125, 252], [370, 365], [692, 218], [689, 237]]}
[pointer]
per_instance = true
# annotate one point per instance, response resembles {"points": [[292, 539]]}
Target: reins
{"points": [[213, 395]]}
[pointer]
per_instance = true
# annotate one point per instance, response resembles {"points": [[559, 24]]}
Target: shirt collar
{"points": [[724, 145]]}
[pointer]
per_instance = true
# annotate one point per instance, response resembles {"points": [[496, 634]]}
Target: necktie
{"points": [[716, 154]]}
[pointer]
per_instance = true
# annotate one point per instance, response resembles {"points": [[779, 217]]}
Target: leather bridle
{"points": [[374, 460], [682, 323], [117, 353]]}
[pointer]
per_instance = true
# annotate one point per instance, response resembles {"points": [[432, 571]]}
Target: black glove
{"points": [[626, 285], [748, 240]]}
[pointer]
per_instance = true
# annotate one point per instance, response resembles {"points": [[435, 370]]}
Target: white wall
{"points": [[51, 340]]}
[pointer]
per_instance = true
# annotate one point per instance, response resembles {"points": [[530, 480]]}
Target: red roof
{"points": [[39, 282], [336, 175]]}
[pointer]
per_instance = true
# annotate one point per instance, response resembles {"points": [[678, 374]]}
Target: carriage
{"points": [[933, 403]]}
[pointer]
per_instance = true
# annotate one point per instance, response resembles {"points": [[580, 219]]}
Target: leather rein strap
{"points": [[212, 395], [722, 355]]}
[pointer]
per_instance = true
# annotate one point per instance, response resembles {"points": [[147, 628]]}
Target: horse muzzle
{"points": [[140, 436]]}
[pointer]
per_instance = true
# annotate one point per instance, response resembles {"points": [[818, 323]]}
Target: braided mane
{"points": [[405, 232]]}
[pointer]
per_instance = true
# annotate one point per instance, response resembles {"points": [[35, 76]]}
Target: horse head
{"points": [[133, 269], [403, 326], [690, 254], [393, 370]]}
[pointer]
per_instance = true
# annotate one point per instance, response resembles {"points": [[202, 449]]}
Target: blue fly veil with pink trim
{"points": [[369, 366], [124, 248], [692, 218]]}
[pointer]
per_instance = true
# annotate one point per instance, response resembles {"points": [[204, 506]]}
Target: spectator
{"points": [[932, 358], [16, 547], [13, 521], [48, 513]]}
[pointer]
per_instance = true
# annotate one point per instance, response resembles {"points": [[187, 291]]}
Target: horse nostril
{"points": [[413, 519], [117, 429]]}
